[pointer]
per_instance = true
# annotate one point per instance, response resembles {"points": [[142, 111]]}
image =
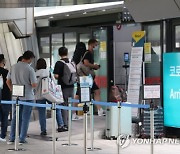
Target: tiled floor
{"points": [[43, 145]]}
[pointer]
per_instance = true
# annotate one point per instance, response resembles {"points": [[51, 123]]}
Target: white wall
{"points": [[122, 44]]}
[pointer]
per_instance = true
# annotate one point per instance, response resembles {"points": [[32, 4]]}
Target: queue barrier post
{"points": [[17, 129], [69, 125], [152, 125]]}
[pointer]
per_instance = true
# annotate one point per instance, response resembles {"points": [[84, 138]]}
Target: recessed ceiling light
{"points": [[67, 15], [85, 13], [103, 10], [51, 17]]}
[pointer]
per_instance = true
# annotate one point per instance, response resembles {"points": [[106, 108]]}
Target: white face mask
{"points": [[96, 48]]}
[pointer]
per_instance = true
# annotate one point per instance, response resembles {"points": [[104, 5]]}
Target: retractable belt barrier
{"points": [[125, 104], [43, 105], [53, 106], [111, 104]]}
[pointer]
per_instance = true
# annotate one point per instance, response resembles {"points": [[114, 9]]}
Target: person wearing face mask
{"points": [[22, 74], [4, 95], [88, 60]]}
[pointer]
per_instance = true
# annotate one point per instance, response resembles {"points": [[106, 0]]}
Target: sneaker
{"points": [[74, 117], [62, 129], [101, 112], [10, 142], [44, 133], [2, 139], [22, 142]]}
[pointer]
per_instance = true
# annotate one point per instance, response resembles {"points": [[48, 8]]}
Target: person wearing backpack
{"points": [[41, 71], [65, 73]]}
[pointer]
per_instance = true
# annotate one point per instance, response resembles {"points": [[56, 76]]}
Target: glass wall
{"points": [[68, 39], [84, 38], [44, 45], [153, 66], [70, 43], [57, 42], [177, 36]]}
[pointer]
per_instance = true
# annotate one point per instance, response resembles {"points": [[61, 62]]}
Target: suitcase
{"points": [[112, 122]]}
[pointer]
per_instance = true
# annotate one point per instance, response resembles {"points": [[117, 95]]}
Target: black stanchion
{"points": [[54, 128], [119, 123], [152, 125], [85, 110], [17, 129]]}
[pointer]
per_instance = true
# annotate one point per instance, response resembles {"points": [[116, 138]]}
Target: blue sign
{"points": [[171, 89]]}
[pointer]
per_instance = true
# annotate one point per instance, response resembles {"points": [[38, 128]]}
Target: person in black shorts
{"points": [[88, 60]]}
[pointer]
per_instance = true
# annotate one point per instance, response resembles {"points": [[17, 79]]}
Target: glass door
{"points": [[100, 57]]}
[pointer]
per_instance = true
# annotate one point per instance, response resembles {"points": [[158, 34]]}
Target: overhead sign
{"points": [[171, 89]]}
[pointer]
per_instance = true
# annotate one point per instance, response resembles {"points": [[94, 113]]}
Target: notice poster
{"points": [[135, 77], [147, 52]]}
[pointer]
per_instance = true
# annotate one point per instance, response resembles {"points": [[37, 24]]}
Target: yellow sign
{"points": [[138, 35], [103, 46], [147, 48]]}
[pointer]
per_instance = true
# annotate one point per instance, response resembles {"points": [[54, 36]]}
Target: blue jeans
{"points": [[24, 118], [42, 115], [59, 118], [4, 112]]}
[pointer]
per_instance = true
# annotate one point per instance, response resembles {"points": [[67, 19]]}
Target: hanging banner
{"points": [[135, 77], [147, 52], [171, 89], [135, 72]]}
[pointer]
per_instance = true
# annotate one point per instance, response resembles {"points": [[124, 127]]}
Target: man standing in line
{"points": [[22, 74], [88, 60], [68, 90]]}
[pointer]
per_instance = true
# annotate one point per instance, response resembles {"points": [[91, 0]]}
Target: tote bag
{"points": [[51, 91], [83, 70]]}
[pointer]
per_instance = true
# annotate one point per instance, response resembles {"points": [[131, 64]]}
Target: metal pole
{"points": [[119, 123], [69, 127], [85, 109], [152, 126], [17, 128], [92, 128], [54, 127], [17, 125], [92, 125]]}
